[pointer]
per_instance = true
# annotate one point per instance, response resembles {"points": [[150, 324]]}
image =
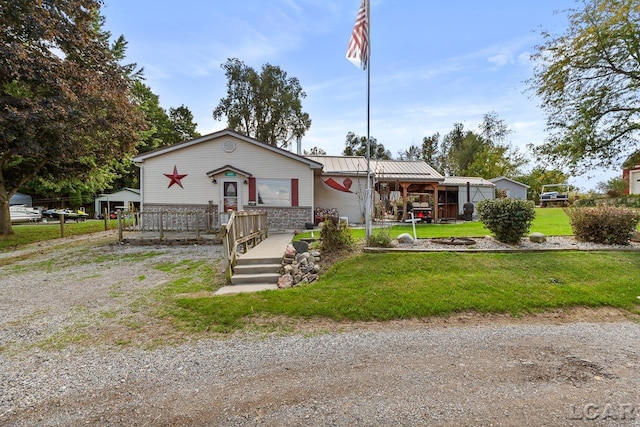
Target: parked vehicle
{"points": [[555, 194], [23, 213], [69, 215]]}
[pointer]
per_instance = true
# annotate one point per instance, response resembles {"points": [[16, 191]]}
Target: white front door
{"points": [[230, 196]]}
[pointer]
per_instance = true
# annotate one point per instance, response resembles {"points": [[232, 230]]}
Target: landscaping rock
{"points": [[301, 246], [290, 252], [537, 238], [285, 281], [405, 238]]}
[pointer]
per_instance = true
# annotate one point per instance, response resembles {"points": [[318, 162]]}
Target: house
{"points": [[513, 189], [343, 182], [125, 198], [632, 176], [225, 171]]}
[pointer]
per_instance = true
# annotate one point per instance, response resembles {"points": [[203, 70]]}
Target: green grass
{"points": [[379, 287], [550, 221], [25, 234]]}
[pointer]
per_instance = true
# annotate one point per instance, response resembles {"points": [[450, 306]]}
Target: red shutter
{"points": [[294, 192], [252, 189]]}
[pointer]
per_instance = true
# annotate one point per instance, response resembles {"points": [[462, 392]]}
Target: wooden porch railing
{"points": [[241, 230]]}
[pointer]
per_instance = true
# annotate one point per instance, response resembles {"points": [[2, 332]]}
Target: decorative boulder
{"points": [[285, 281], [405, 238], [537, 238], [301, 246]]}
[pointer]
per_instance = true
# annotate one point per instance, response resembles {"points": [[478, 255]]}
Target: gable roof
{"points": [[225, 132], [387, 170], [504, 178]]}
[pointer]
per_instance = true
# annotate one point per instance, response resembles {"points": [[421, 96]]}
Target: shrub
{"points": [[335, 236], [587, 201], [508, 219], [380, 239], [603, 224]]}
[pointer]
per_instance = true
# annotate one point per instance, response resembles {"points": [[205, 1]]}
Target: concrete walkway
{"points": [[273, 247]]}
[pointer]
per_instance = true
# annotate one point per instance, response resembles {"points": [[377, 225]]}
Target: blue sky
{"points": [[432, 63]]}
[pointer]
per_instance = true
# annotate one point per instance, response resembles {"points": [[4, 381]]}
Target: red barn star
{"points": [[175, 177]]}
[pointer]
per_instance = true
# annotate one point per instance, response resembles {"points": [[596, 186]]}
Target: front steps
{"points": [[259, 268]]}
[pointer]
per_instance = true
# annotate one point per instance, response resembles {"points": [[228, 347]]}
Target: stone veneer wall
{"points": [[287, 218]]}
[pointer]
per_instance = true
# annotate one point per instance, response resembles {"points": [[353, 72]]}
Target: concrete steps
{"points": [[259, 268]]}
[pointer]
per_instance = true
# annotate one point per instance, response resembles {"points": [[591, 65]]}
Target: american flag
{"points": [[358, 49]]}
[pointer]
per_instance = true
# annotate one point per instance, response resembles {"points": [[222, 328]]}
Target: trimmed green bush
{"points": [[508, 219], [334, 235], [603, 224]]}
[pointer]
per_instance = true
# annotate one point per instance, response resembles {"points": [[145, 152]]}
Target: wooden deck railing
{"points": [[167, 221], [241, 230]]}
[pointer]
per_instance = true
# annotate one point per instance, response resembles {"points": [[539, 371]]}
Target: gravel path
{"points": [[471, 371]]}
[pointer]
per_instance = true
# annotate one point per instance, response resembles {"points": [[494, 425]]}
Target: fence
{"points": [[241, 230]]}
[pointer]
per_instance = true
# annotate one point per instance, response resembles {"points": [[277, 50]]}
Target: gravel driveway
{"points": [[468, 370]]}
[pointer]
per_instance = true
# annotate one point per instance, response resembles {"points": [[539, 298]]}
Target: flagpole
{"points": [[368, 192]]}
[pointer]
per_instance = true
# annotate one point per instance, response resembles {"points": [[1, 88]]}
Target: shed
{"points": [[123, 198], [512, 188], [452, 194]]}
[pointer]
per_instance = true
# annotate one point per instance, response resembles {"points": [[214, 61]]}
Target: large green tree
{"points": [[589, 79], [265, 105], [65, 104], [357, 146], [483, 153]]}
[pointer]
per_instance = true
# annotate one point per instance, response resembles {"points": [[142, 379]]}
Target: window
{"points": [[274, 192]]}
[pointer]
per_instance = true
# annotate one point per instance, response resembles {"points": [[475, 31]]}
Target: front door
{"points": [[231, 196]]}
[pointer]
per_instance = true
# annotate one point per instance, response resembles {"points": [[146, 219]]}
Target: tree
{"points": [[161, 130], [182, 121], [614, 187], [315, 151], [357, 146], [266, 106], [412, 153], [484, 153], [588, 79], [66, 108]]}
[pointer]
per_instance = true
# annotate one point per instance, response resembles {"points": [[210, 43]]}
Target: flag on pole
{"points": [[358, 49]]}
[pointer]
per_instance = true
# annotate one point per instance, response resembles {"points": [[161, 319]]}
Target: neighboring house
{"points": [[125, 198], [632, 176], [453, 194], [21, 199], [513, 189], [226, 171]]}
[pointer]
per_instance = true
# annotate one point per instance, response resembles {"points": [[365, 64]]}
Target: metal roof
{"points": [[384, 170], [462, 180]]}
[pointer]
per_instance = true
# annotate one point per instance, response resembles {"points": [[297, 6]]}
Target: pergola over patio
{"points": [[410, 178]]}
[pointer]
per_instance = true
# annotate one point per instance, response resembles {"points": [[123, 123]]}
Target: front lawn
{"points": [[30, 233], [388, 286], [550, 221]]}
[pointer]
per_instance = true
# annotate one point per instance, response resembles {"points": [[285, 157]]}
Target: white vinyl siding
{"points": [[198, 159]]}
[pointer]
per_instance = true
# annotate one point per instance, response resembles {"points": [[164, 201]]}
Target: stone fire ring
{"points": [[454, 241]]}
